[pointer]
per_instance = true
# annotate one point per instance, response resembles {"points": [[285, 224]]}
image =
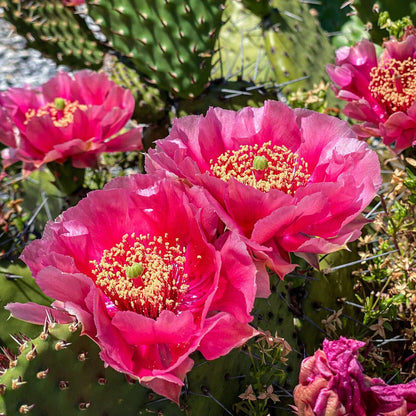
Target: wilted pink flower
{"points": [[332, 383], [140, 266], [380, 92], [67, 117], [286, 180]]}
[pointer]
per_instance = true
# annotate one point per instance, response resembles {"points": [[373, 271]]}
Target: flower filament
{"points": [[393, 84], [143, 274], [263, 167], [61, 111]]}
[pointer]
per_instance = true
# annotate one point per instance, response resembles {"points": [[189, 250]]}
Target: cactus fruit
{"points": [[56, 31], [171, 42]]}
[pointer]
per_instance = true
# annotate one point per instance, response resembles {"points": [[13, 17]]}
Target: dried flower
{"points": [[332, 382]]}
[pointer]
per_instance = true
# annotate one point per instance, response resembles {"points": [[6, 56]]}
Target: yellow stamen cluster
{"points": [[393, 83], [158, 281], [61, 112], [263, 167]]}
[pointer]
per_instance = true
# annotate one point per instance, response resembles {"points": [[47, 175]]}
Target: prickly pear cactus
{"points": [[150, 102], [17, 285], [296, 44], [258, 7], [240, 52], [60, 372], [171, 42], [59, 369], [56, 31]]}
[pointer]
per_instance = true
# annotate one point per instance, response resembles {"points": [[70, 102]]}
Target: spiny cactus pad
{"points": [[60, 372], [150, 102], [56, 31], [240, 52], [171, 42], [296, 44]]}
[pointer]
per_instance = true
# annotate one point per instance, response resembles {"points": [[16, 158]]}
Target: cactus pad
{"points": [[56, 31], [171, 42]]}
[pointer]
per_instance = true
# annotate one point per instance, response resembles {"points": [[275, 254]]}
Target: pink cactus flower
{"points": [[332, 383], [139, 264], [73, 2], [285, 180], [77, 118], [380, 92]]}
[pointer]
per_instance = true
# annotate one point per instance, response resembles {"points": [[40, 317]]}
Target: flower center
{"points": [[263, 167], [393, 84], [61, 111], [143, 274]]}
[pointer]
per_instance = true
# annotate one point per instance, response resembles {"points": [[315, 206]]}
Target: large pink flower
{"points": [[332, 383], [380, 92], [139, 264], [67, 117], [286, 180]]}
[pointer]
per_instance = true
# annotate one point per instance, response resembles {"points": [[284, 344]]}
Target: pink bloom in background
{"points": [[332, 383], [139, 264], [73, 2], [285, 180], [380, 92], [75, 117]]}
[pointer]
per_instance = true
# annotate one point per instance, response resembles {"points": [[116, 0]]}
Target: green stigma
{"points": [[134, 271], [59, 103], [260, 163]]}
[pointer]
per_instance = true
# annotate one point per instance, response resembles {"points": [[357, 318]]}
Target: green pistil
{"points": [[260, 163], [59, 103], [134, 271]]}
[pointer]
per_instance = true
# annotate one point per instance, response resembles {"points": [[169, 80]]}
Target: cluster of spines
{"points": [[293, 39], [56, 31], [170, 42]]}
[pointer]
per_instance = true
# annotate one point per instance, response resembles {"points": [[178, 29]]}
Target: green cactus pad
{"points": [[56, 31], [296, 45], [240, 52], [61, 373], [171, 42], [258, 7], [150, 102]]}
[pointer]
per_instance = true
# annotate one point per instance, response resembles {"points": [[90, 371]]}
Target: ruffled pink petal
{"points": [[38, 314], [235, 294], [224, 333], [168, 328], [171, 387]]}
